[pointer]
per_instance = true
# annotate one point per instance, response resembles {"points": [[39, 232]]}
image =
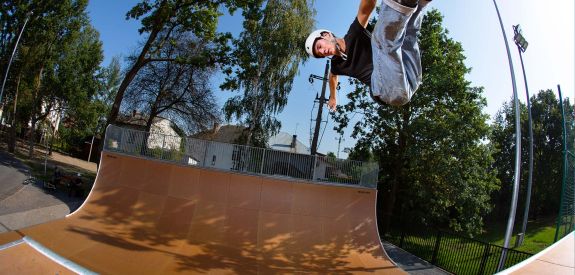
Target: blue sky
{"points": [[549, 59]]}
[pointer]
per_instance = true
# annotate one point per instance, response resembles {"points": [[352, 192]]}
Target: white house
{"points": [[288, 143], [161, 135]]}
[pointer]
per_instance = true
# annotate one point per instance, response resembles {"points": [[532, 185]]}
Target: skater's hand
{"points": [[331, 104]]}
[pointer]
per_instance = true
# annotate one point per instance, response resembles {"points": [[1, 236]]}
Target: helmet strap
{"points": [[338, 49]]}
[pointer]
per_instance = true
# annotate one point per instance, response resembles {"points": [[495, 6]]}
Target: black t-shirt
{"points": [[359, 63]]}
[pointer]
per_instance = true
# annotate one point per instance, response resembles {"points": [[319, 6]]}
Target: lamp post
{"points": [[521, 47], [12, 56], [513, 208]]}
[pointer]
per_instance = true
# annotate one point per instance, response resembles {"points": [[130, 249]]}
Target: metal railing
{"points": [[454, 253], [240, 158]]}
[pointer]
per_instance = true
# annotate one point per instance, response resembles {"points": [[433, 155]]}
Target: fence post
{"points": [[122, 142], [263, 161], [436, 248], [314, 167], [484, 258], [402, 238], [206, 147], [162, 150]]}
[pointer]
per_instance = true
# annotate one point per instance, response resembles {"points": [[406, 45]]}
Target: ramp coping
{"points": [[57, 258], [11, 244], [535, 257]]}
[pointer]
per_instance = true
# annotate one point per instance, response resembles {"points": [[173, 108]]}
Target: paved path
{"points": [[410, 263], [32, 205], [23, 205], [12, 175]]}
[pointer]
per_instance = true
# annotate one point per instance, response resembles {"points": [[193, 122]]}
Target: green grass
{"points": [[456, 254], [465, 256], [539, 235]]}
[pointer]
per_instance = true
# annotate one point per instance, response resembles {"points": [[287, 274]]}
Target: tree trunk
{"points": [[255, 113], [150, 120], [390, 197], [31, 139], [12, 135], [12, 138], [37, 101], [51, 142], [140, 62], [252, 125]]}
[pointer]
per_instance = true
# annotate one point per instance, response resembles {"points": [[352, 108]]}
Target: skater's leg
{"points": [[389, 81], [410, 48]]}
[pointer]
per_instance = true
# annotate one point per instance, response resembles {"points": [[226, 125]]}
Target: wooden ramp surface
{"points": [[149, 217], [558, 259]]}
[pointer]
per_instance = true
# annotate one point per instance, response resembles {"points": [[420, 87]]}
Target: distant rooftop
{"points": [[230, 133]]}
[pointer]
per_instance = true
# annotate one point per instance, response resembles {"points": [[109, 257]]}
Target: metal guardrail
{"points": [[240, 158]]}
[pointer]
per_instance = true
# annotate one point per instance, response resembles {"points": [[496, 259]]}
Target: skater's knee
{"points": [[397, 97], [399, 101]]}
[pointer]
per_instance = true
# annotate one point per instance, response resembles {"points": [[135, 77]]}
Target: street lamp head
{"points": [[519, 39]]}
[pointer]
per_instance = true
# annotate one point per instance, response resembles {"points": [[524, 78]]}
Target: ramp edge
{"points": [[535, 257], [57, 258], [11, 244]]}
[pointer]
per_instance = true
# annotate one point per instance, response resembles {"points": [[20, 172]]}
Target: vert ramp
{"points": [[152, 217]]}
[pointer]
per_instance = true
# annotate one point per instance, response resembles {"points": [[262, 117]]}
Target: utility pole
{"points": [[320, 108], [339, 139]]}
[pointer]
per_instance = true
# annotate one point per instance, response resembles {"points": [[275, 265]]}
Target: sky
{"points": [[549, 59]]}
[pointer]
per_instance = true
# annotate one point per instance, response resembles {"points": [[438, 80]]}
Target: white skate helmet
{"points": [[310, 41]]}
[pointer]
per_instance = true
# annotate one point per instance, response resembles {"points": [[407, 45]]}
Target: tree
{"points": [[75, 83], [178, 91], [434, 164], [160, 18], [265, 60], [57, 58], [547, 154], [110, 79], [12, 17]]}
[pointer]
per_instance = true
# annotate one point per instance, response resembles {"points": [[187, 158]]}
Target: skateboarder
{"points": [[387, 60]]}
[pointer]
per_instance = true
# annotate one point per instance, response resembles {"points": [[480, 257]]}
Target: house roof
{"points": [[230, 133], [136, 119], [283, 142], [226, 133]]}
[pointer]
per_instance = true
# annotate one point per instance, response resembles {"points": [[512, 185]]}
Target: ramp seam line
{"points": [[57, 258]]}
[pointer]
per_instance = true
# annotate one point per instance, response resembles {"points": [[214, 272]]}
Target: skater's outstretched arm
{"points": [[366, 7], [332, 102]]}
